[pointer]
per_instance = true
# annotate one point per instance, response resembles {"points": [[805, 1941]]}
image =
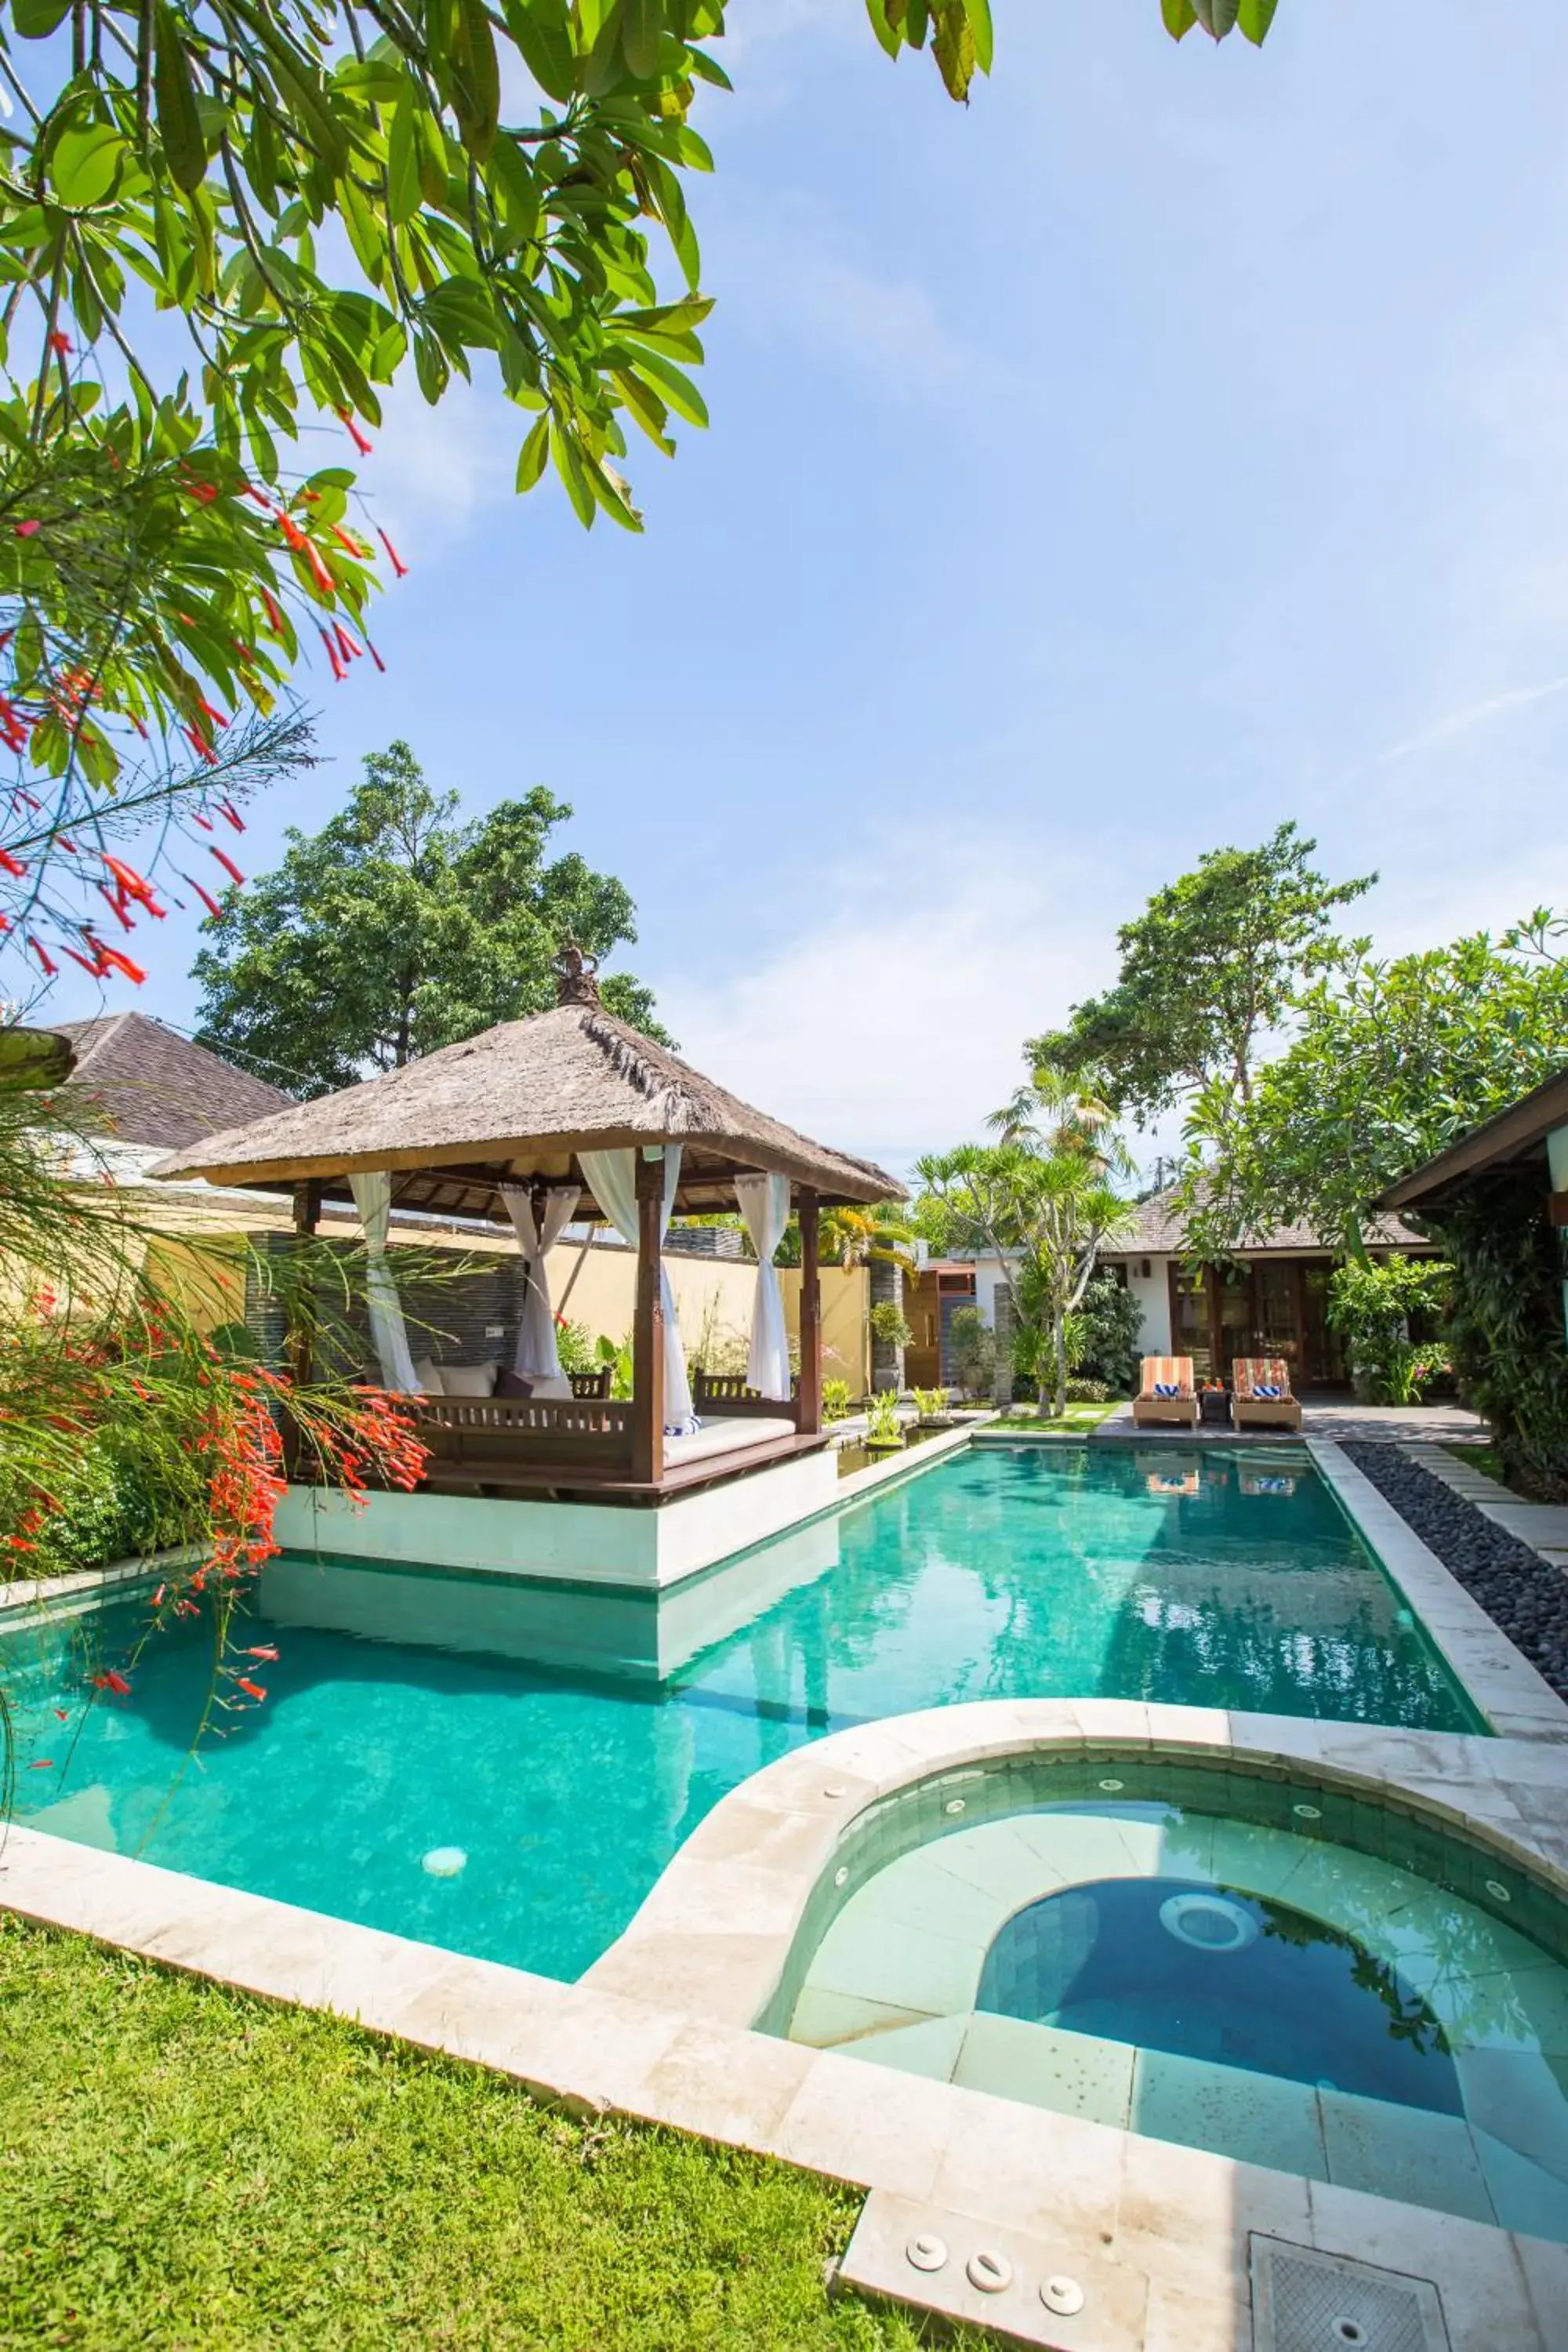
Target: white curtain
{"points": [[537, 1357], [612, 1176], [373, 1199], [764, 1204]]}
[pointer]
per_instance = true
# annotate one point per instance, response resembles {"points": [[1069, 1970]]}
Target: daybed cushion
{"points": [[726, 1436], [467, 1379]]}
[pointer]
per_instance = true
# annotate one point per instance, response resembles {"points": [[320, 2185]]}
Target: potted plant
{"points": [[884, 1432]]}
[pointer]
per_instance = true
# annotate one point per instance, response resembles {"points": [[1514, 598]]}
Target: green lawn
{"points": [[186, 2166], [1076, 1418], [1479, 1457]]}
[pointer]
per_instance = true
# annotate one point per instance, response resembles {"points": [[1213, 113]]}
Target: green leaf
{"points": [[543, 33], [678, 388], [1216, 16], [513, 184], [706, 68], [476, 89], [979, 14], [179, 118], [886, 37], [533, 454], [641, 23], [1254, 16], [1179, 16], [403, 160], [569, 466], [85, 163], [36, 19]]}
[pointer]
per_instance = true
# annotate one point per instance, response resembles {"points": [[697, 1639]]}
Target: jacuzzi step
{"points": [[1025, 2289]]}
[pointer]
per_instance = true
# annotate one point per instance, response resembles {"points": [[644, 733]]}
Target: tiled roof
{"points": [[154, 1087], [1158, 1231]]}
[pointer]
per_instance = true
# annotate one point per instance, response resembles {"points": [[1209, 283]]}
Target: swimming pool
{"points": [[545, 1751]]}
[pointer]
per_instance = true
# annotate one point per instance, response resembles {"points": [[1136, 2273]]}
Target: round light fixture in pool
{"points": [[953, 1805], [841, 1875], [1308, 1813], [1110, 1787], [445, 1861], [1208, 1923]]}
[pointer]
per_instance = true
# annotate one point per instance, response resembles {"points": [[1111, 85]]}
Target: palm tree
{"points": [[1041, 1200]]}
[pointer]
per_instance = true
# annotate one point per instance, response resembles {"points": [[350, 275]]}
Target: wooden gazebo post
{"points": [[647, 1328], [810, 1405]]}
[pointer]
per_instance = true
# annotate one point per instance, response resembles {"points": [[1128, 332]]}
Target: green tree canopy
{"points": [[1394, 1061], [1207, 970], [395, 930], [1041, 1200]]}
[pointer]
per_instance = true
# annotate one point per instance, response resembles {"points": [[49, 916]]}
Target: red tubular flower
{"points": [[96, 968], [200, 742], [355, 435], [117, 909], [131, 884], [244, 1683], [227, 809], [273, 610], [28, 530], [339, 669], [323, 577], [263, 1650], [13, 865], [112, 961], [399, 568], [346, 539], [42, 1764], [51, 967], [110, 1681], [208, 901], [216, 716], [59, 343], [348, 646], [375, 656], [229, 867]]}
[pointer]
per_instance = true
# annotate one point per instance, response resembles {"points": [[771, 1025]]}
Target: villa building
{"points": [[1270, 1299]]}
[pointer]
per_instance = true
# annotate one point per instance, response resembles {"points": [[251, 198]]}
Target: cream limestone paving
{"points": [[664, 2026]]}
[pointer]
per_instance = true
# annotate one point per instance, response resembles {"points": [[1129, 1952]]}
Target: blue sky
{"points": [[1171, 442]]}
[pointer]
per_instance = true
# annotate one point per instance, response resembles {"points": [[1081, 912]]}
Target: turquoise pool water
{"points": [[565, 1743]]}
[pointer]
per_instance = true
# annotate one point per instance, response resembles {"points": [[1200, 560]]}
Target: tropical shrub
{"points": [[1371, 1303], [1108, 1335], [834, 1399], [1505, 1324], [1089, 1392], [883, 1426], [931, 1403], [889, 1324], [972, 1351]]}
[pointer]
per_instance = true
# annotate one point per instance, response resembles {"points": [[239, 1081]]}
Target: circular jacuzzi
{"points": [[1266, 1966]]}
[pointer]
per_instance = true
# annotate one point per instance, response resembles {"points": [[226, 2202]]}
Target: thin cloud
{"points": [[1475, 714]]}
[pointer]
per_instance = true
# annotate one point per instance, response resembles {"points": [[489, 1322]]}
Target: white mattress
{"points": [[726, 1436]]}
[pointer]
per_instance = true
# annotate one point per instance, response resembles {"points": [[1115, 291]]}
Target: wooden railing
{"points": [[726, 1393], [591, 1435]]}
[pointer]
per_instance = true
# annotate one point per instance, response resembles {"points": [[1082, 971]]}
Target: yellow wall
{"points": [[199, 1245]]}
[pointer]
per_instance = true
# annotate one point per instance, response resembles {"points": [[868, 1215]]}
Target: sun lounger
{"points": [[1180, 1406], [1250, 1407]]}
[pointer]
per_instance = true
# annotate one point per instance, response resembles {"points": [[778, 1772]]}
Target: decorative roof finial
{"points": [[574, 980]]}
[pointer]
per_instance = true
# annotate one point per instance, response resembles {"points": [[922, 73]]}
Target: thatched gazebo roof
{"points": [[519, 1103]]}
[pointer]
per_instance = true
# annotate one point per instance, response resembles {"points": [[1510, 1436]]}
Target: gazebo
{"points": [[570, 1115]]}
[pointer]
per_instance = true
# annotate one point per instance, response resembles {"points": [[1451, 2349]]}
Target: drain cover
{"points": [[1306, 2302]]}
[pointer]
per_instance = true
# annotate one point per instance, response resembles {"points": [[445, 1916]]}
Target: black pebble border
{"points": [[1521, 1592]]}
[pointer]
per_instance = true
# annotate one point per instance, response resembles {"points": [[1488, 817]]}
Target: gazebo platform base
{"points": [[483, 1518]]}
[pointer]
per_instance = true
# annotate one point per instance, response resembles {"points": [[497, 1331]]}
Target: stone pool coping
{"points": [[659, 2029], [1516, 1700]]}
